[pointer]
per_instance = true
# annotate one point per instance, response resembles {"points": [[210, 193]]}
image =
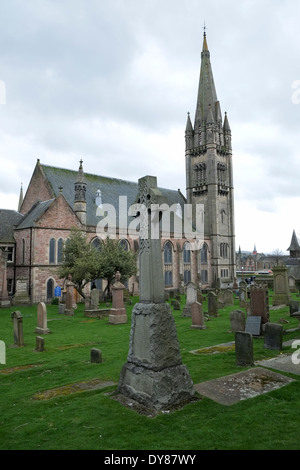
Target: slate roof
{"points": [[111, 189], [8, 220], [34, 214]]}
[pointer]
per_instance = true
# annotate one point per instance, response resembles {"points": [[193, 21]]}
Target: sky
{"points": [[111, 82]]}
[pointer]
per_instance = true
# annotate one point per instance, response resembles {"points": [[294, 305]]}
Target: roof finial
{"points": [[205, 48]]}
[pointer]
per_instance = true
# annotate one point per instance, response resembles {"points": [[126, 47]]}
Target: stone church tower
{"points": [[209, 178]]}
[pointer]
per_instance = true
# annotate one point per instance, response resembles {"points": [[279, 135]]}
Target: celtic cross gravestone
{"points": [[153, 374]]}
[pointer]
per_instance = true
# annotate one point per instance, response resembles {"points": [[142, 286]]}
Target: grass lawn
{"points": [[93, 420]]}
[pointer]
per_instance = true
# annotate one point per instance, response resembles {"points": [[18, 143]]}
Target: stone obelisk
{"points": [[153, 374]]}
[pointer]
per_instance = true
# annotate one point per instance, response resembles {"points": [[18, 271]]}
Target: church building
{"points": [[58, 199]]}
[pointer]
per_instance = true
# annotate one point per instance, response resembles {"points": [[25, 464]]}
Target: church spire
{"points": [[294, 247], [207, 95]]}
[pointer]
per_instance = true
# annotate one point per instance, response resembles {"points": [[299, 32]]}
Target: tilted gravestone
{"points": [[40, 342], [273, 336], [153, 374], [212, 300], [294, 306], [197, 316], [243, 349], [18, 328], [237, 320]]}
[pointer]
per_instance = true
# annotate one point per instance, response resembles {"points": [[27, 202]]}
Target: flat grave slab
{"points": [[283, 362], [242, 385]]}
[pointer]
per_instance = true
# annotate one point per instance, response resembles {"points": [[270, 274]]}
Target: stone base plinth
{"points": [[97, 313], [154, 374], [280, 299], [42, 331], [198, 327], [21, 300], [157, 389], [117, 316], [69, 311]]}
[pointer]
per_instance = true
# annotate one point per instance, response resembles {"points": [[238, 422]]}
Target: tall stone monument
{"points": [[153, 374], [117, 313], [69, 309]]}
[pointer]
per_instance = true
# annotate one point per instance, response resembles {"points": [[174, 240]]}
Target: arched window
{"points": [[224, 250], [52, 251], [168, 253], [97, 243], [203, 254], [187, 276], [124, 244], [60, 245], [50, 289], [168, 278], [187, 253]]}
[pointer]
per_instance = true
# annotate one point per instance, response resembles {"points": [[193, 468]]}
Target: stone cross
{"points": [[153, 374], [150, 258]]}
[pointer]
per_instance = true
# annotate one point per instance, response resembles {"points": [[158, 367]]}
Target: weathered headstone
{"points": [[153, 374], [243, 293], [212, 300], [294, 306], [197, 316], [117, 313], [96, 356], [69, 309], [21, 296], [228, 297], [259, 302], [243, 349], [253, 325], [191, 297], [40, 342], [18, 328], [95, 299], [237, 320], [42, 328], [273, 336], [281, 294]]}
